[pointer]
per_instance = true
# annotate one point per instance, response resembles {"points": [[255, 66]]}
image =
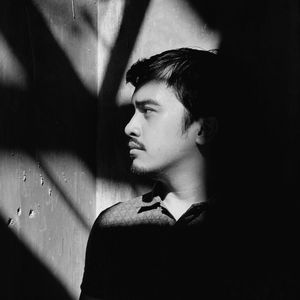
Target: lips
{"points": [[135, 145]]}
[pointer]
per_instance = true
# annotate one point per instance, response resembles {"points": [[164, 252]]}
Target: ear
{"points": [[208, 128]]}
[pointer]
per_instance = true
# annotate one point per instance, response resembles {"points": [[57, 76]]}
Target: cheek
{"points": [[165, 148]]}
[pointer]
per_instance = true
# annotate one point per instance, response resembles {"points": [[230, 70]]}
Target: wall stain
{"points": [[10, 222], [31, 214], [19, 212], [24, 176]]}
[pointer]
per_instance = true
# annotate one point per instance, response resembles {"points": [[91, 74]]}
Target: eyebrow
{"points": [[146, 102]]}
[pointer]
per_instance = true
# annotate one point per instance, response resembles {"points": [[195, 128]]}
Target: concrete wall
{"points": [[48, 87]]}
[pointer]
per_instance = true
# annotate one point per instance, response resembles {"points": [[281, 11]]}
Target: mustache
{"points": [[135, 144]]}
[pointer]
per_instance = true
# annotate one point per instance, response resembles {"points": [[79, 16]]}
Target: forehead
{"points": [[157, 91]]}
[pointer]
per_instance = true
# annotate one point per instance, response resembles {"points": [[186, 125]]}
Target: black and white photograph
{"points": [[150, 149]]}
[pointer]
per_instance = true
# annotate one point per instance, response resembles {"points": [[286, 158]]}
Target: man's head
{"points": [[175, 105], [191, 73]]}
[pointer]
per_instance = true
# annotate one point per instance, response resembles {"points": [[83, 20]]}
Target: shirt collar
{"points": [[153, 199]]}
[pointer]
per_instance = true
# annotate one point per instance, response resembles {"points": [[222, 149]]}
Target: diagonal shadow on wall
{"points": [[55, 112], [23, 276], [59, 112], [63, 118]]}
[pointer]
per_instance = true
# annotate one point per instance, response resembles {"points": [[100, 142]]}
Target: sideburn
{"points": [[187, 120]]}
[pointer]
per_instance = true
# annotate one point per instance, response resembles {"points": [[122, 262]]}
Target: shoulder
{"points": [[122, 213]]}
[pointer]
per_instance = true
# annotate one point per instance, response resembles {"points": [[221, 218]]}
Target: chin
{"points": [[142, 170], [139, 170]]}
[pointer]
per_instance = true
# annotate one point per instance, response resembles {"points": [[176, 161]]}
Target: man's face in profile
{"points": [[157, 141]]}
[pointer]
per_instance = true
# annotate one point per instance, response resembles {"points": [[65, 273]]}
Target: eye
{"points": [[147, 110]]}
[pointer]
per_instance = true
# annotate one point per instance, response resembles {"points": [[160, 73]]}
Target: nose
{"points": [[132, 128]]}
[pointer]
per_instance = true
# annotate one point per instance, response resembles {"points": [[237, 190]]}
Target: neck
{"points": [[183, 186]]}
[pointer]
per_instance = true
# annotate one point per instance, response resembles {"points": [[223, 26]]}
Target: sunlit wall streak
{"points": [[12, 73]]}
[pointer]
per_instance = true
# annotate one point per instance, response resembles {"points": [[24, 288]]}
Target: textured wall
{"points": [[48, 86]]}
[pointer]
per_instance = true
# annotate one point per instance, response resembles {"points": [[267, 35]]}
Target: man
{"points": [[162, 245]]}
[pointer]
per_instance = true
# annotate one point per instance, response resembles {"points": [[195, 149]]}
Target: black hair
{"points": [[192, 73]]}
